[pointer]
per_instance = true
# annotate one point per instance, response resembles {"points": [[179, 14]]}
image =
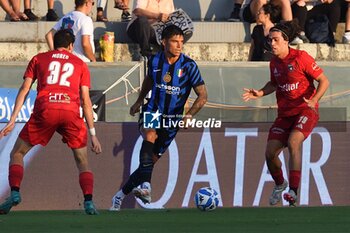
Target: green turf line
{"points": [[231, 220]]}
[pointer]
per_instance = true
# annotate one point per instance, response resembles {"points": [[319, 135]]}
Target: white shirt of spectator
{"points": [[81, 24], [155, 6]]}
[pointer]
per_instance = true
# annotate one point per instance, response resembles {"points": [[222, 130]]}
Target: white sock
{"points": [[120, 194]]}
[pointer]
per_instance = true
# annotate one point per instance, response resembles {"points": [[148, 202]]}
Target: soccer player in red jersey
{"points": [[63, 82], [292, 76]]}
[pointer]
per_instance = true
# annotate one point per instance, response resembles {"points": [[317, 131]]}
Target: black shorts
{"points": [[164, 139]]}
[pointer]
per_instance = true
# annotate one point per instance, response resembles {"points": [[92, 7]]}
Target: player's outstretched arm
{"points": [[255, 94], [87, 109], [21, 96]]}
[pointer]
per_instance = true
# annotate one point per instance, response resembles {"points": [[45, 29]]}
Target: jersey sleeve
{"points": [[195, 74], [310, 66], [85, 76], [30, 71]]}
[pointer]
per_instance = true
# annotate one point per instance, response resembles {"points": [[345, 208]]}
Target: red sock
{"points": [[86, 181], [294, 179], [15, 175], [278, 177]]}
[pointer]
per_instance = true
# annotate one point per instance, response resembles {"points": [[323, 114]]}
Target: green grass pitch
{"points": [[281, 220]]}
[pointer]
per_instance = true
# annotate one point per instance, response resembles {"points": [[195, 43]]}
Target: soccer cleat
{"points": [[90, 208], [126, 17], [51, 15], [276, 195], [291, 197], [346, 38], [116, 203], [234, 17], [11, 201], [31, 15], [143, 194]]}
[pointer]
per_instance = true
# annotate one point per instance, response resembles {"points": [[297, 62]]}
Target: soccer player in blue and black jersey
{"points": [[171, 77]]}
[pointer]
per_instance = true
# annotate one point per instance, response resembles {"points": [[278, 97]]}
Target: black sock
{"points": [[15, 188], [237, 6], [295, 190], [146, 161], [88, 197], [132, 182]]}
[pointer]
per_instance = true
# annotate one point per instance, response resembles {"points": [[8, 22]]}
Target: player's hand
{"points": [[7, 129], [186, 119], [135, 108], [96, 146], [311, 103], [250, 94], [163, 17]]}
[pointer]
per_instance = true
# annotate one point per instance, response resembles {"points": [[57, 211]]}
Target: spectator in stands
{"points": [[145, 13], [330, 8], [12, 9], [82, 26], [345, 12], [123, 5], [250, 10], [260, 49], [119, 4], [50, 16], [100, 17]]}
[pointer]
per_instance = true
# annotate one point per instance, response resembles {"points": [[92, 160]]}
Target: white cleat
{"points": [[116, 203], [291, 197], [276, 195], [143, 194]]}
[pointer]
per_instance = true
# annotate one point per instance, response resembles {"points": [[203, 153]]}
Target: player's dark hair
{"points": [[79, 3], [289, 29], [273, 10], [63, 38], [170, 31]]}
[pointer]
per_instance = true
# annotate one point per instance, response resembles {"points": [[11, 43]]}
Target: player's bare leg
{"points": [[16, 170], [274, 164]]}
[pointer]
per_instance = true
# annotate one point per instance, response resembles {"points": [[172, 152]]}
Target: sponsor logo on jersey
{"points": [[289, 86], [171, 90], [315, 67], [59, 98]]}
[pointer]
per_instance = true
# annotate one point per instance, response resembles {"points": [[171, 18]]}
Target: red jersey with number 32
{"points": [[294, 78], [59, 75]]}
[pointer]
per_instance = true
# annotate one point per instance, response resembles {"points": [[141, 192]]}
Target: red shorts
{"points": [[42, 125], [305, 122]]}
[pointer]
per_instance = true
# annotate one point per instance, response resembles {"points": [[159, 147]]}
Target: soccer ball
{"points": [[206, 199]]}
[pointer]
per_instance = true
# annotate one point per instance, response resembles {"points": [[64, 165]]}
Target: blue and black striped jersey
{"points": [[172, 84]]}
